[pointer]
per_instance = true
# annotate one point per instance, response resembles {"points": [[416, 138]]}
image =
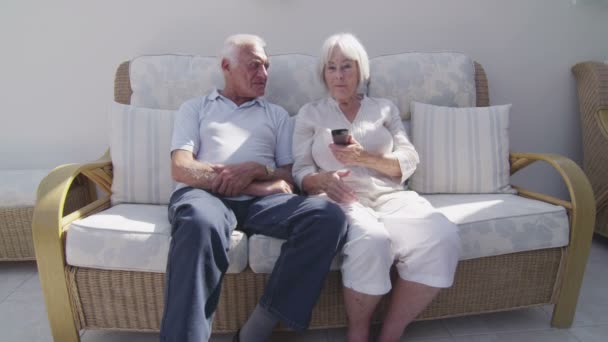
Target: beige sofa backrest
{"points": [[166, 81]]}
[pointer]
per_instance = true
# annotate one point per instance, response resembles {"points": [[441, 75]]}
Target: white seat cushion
{"points": [[264, 252], [496, 224], [490, 224], [133, 237], [18, 187]]}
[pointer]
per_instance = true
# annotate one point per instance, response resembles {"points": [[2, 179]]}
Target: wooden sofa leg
{"points": [[61, 317], [563, 313], [57, 300], [582, 223], [54, 286], [47, 229]]}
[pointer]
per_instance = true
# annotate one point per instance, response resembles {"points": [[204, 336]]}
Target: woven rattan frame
{"points": [[126, 300], [16, 234], [592, 88]]}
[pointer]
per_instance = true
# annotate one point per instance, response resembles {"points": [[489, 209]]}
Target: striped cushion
{"points": [[140, 144], [462, 150]]}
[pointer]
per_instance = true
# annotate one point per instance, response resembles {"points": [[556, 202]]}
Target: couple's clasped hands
{"points": [[239, 179], [349, 155]]}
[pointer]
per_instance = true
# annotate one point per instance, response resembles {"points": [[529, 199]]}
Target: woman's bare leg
{"points": [[408, 299], [359, 310]]}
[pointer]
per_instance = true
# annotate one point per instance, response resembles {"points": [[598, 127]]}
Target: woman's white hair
{"points": [[234, 42], [350, 46]]}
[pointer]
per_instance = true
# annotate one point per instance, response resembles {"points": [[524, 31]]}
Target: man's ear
{"points": [[225, 64]]}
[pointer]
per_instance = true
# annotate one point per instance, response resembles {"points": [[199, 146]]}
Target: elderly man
{"points": [[231, 154]]}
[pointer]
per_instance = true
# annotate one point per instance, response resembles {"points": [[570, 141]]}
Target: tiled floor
{"points": [[23, 316]]}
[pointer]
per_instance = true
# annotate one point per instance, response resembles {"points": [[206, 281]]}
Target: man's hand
{"points": [[265, 188], [231, 180]]}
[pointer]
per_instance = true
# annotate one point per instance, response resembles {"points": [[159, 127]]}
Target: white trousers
{"points": [[400, 228]]}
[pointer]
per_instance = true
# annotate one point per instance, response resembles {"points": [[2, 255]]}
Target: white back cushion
{"points": [[293, 81], [166, 81], [140, 145], [444, 79], [462, 150]]}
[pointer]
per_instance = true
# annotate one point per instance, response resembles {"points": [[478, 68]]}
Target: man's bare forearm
{"points": [[198, 176], [192, 172]]}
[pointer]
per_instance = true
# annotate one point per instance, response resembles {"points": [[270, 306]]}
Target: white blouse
{"points": [[377, 127]]}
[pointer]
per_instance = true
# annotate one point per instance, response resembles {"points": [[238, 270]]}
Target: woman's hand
{"points": [[336, 189], [351, 154]]}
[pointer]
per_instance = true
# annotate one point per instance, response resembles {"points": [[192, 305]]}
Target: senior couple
{"points": [[233, 159]]}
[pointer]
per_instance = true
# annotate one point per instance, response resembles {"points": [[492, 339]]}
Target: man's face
{"points": [[248, 77]]}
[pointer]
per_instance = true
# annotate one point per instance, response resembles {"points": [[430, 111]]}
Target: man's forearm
{"points": [[195, 174]]}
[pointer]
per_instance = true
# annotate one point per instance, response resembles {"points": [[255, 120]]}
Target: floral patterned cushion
{"points": [[166, 81], [489, 224], [495, 224], [293, 81], [133, 237], [443, 79]]}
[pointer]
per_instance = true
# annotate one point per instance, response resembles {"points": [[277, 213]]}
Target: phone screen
{"points": [[340, 136]]}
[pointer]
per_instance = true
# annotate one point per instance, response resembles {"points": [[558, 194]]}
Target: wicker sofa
{"points": [[87, 297], [592, 85]]}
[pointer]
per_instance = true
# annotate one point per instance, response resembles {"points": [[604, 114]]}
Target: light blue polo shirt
{"points": [[218, 131]]}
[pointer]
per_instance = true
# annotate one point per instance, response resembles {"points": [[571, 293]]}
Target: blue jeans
{"points": [[315, 231]]}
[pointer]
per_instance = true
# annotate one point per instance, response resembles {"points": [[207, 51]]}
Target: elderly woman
{"points": [[388, 224]]}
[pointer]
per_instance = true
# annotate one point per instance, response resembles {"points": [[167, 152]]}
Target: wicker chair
{"points": [[83, 298], [16, 234], [592, 82], [16, 210]]}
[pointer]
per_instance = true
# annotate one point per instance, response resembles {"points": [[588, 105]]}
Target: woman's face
{"points": [[341, 76]]}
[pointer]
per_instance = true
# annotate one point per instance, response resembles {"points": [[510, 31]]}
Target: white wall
{"points": [[59, 57]]}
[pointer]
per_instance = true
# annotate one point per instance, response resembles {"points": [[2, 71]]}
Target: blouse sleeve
{"points": [[403, 148], [303, 136]]}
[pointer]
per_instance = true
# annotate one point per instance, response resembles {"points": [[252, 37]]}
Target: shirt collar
{"points": [[215, 95], [333, 102]]}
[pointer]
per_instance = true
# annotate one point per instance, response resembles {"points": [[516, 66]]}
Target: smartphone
{"points": [[340, 136]]}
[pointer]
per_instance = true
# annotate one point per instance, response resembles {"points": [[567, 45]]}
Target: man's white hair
{"points": [[236, 41], [351, 48]]}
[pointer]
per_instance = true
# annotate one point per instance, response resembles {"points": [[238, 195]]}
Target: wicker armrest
{"points": [[49, 225], [581, 211]]}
